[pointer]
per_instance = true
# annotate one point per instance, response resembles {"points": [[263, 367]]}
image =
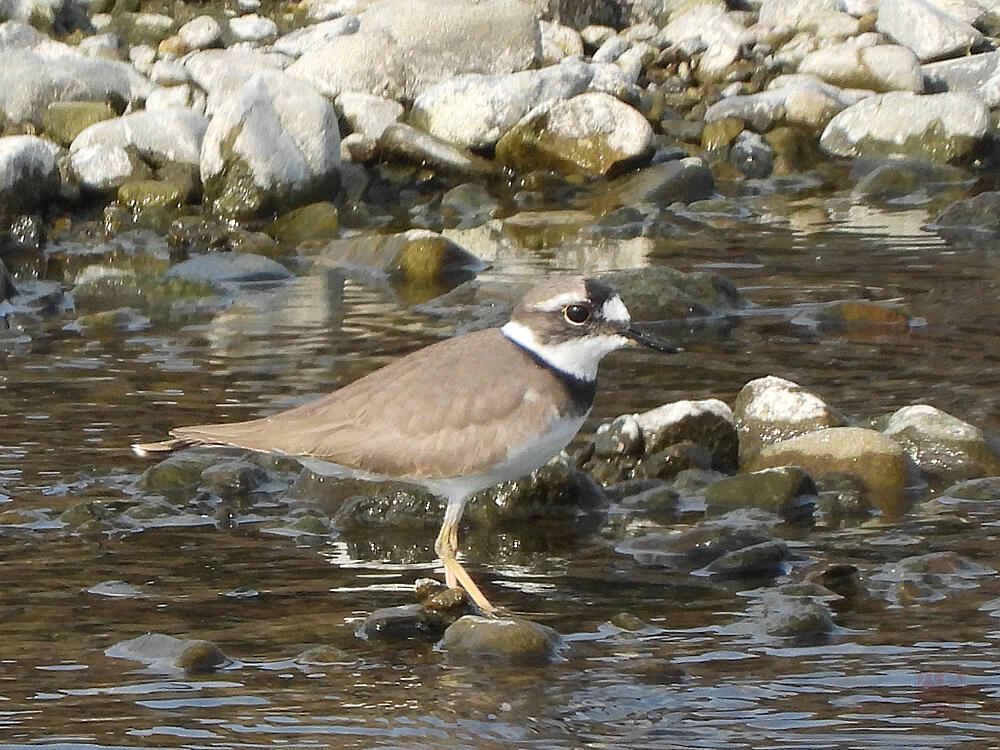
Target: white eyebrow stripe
{"points": [[614, 309], [557, 303]]}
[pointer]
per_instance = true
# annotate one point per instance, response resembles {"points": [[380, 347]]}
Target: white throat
{"points": [[577, 357]]}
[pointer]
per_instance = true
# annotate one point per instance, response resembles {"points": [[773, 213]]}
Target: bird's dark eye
{"points": [[576, 314]]}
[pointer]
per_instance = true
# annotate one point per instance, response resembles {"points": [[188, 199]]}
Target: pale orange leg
{"points": [[446, 546]]}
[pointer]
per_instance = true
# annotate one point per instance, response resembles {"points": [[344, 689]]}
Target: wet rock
{"points": [[179, 472], [367, 114], [881, 68], [38, 72], [122, 319], [400, 49], [931, 32], [165, 653], [770, 409], [115, 590], [233, 478], [683, 180], [661, 292], [859, 313], [752, 155], [798, 617], [473, 111], [945, 448], [418, 257], [555, 491], [939, 127], [28, 172], [468, 205], [505, 640], [764, 559], [315, 222], [94, 517], [142, 194], [410, 145], [389, 506], [7, 288], [230, 268], [971, 221], [590, 134], [406, 622], [316, 36], [908, 181], [877, 461], [159, 137], [787, 491], [708, 423], [976, 74], [64, 121], [927, 578], [275, 144]]}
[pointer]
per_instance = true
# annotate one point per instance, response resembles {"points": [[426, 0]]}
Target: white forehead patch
{"points": [[577, 357], [614, 310]]}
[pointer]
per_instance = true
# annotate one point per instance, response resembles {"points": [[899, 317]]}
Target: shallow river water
{"points": [[901, 671]]}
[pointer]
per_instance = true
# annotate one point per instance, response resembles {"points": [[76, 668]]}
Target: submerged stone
{"points": [[505, 640], [970, 222], [229, 268], [407, 144], [406, 622], [165, 653], [787, 491], [683, 180], [315, 222]]}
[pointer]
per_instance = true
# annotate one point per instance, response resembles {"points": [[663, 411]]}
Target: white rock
{"points": [[473, 111], [279, 128], [177, 97], [100, 45], [312, 37], [925, 29], [169, 73], [28, 171], [101, 167], [799, 100], [975, 74], [886, 67], [858, 8], [708, 24], [559, 41], [201, 32], [142, 57], [366, 114], [822, 17], [609, 78], [222, 72], [253, 28], [35, 72], [948, 125], [168, 135], [662, 417], [611, 49], [595, 35], [403, 47]]}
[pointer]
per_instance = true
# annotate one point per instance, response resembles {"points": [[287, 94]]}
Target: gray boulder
{"points": [[28, 172], [939, 127], [170, 135], [367, 114], [402, 47], [945, 448], [883, 67], [474, 110], [926, 29], [271, 146], [976, 74]]}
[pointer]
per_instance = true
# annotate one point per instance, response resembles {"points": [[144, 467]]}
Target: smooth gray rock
{"points": [[971, 222], [101, 167], [946, 448], [229, 268], [165, 653], [799, 100], [37, 72], [474, 111], [402, 47], [940, 127], [683, 180], [494, 639], [28, 172], [171, 135], [272, 145], [929, 31], [408, 144], [308, 38], [884, 67], [976, 74]]}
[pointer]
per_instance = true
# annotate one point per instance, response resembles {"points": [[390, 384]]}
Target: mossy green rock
{"points": [[785, 490], [317, 221], [64, 121], [508, 640], [720, 133], [142, 194]]}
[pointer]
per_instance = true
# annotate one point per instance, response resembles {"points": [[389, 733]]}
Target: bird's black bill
{"points": [[639, 336]]}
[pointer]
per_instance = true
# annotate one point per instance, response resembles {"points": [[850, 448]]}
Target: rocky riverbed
{"points": [[785, 534]]}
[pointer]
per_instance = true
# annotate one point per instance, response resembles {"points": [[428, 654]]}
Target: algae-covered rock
{"points": [[407, 144], [877, 461], [64, 121], [28, 172], [165, 653], [590, 134], [142, 194], [317, 221], [787, 491], [683, 180], [505, 640]]}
